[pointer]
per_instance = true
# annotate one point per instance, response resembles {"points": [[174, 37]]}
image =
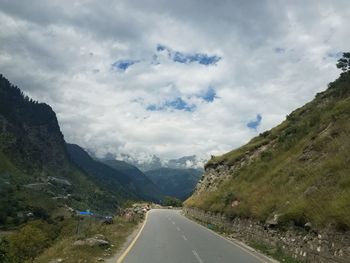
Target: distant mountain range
{"points": [[174, 177], [176, 182], [116, 175], [152, 162]]}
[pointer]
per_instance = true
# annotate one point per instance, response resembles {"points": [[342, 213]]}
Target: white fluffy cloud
{"points": [[274, 57]]}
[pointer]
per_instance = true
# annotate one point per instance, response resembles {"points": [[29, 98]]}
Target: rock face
{"points": [[215, 176]]}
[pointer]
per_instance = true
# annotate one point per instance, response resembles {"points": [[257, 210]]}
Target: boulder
{"points": [[273, 221], [91, 242], [308, 226]]}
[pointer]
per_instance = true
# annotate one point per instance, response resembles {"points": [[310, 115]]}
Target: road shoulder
{"points": [[114, 258], [235, 242]]}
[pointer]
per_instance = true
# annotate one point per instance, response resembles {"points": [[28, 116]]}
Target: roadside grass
{"points": [[63, 248], [277, 254]]}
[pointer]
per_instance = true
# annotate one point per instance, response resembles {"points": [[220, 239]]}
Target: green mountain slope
{"points": [[36, 174], [299, 170], [179, 183], [143, 186], [117, 176], [100, 173]]}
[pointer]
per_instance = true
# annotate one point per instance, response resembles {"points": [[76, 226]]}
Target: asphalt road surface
{"points": [[169, 237]]}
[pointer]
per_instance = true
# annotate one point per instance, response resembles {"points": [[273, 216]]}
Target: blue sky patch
{"points": [[176, 104], [187, 58], [254, 124], [123, 64], [280, 50], [336, 55], [209, 95]]}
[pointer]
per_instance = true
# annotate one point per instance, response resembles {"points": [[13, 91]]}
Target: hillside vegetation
{"points": [[140, 183], [116, 176], [298, 170]]}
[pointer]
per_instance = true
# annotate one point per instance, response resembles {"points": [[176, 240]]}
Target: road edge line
{"points": [[127, 250], [255, 253]]}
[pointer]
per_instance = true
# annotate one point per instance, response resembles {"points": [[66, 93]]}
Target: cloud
{"points": [[255, 124], [182, 83]]}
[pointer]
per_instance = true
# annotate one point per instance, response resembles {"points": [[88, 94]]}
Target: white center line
{"points": [[197, 256], [173, 222], [177, 228], [185, 238]]}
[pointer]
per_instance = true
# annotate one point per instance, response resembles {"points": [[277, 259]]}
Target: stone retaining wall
{"points": [[306, 246]]}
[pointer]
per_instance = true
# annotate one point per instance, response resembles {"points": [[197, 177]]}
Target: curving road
{"points": [[169, 237]]}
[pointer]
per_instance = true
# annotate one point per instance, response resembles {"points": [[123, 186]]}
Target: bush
{"points": [[31, 240], [172, 201], [4, 249]]}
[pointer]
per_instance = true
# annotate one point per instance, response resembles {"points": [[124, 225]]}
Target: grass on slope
{"points": [[46, 241], [115, 233], [303, 175]]}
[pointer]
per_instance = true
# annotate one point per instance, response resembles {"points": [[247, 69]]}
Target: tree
{"points": [[172, 201], [344, 62]]}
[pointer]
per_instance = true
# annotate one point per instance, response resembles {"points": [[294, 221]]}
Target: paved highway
{"points": [[169, 237]]}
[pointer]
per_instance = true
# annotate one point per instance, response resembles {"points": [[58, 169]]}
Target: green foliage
{"points": [[344, 62], [140, 183], [275, 253], [172, 201], [31, 240], [5, 257]]}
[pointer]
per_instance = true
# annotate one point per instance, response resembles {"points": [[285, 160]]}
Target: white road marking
{"points": [[197, 256], [177, 228], [185, 238], [173, 222]]}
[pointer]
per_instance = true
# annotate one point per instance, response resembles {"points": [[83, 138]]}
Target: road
{"points": [[169, 237]]}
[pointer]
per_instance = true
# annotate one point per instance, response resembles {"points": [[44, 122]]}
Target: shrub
{"points": [[172, 201], [31, 240]]}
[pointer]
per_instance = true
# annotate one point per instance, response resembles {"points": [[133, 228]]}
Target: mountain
{"points": [[36, 174], [152, 162], [117, 176], [141, 184], [174, 177], [297, 172], [144, 163], [112, 180], [178, 183]]}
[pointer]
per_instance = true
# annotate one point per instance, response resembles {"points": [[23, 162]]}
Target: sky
{"points": [[171, 78]]}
